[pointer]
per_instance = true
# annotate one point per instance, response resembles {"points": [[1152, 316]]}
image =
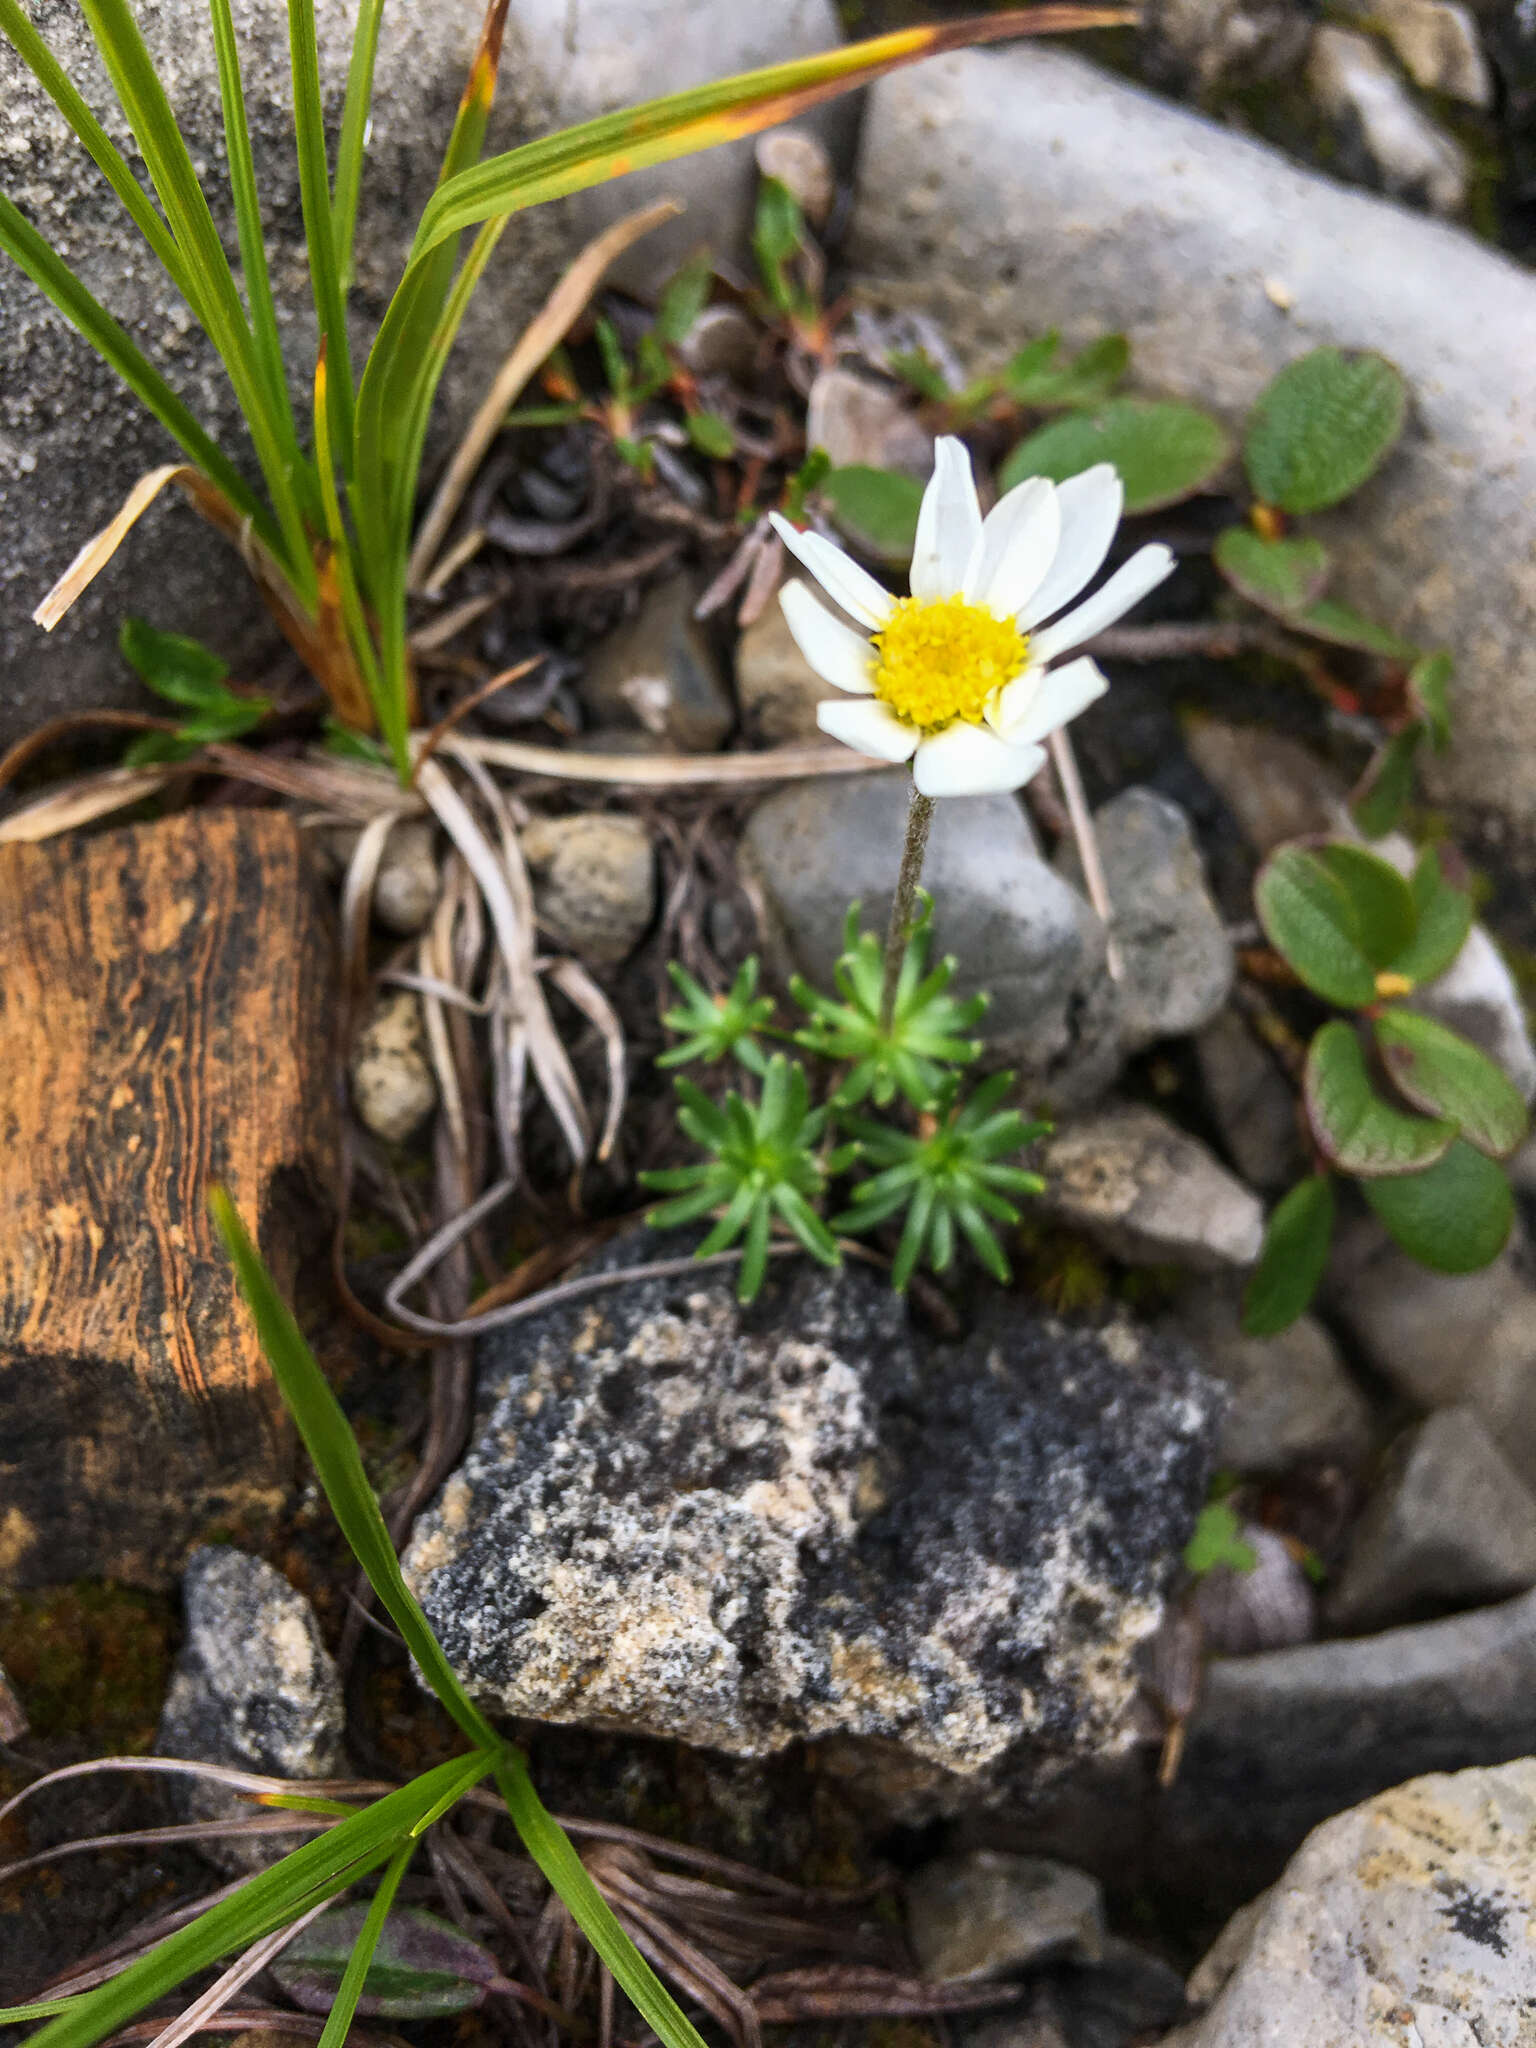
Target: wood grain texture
{"points": [[165, 1016]]}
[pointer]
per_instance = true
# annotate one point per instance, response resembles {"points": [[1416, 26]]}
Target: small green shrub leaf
{"points": [[1429, 684], [876, 509], [685, 299], [1324, 425], [1379, 802], [1444, 918], [1354, 1128], [1440, 1073], [1163, 451], [422, 1968], [1342, 626], [1034, 378], [1281, 576], [1337, 914], [1454, 1217], [1386, 915], [711, 435], [181, 670], [1218, 1539], [1294, 1258]]}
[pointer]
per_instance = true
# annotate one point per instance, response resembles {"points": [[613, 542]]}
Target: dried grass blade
{"points": [[100, 549], [235, 1978], [573, 980], [544, 332], [82, 802], [662, 771]]}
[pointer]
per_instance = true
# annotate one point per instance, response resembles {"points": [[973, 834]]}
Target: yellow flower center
{"points": [[942, 660]]}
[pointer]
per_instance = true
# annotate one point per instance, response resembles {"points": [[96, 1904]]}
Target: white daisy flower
{"points": [[958, 677]]}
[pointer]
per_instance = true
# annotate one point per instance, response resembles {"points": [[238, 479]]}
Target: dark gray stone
{"points": [[1292, 1401], [1449, 1524], [1015, 928], [1255, 1107], [738, 1527], [253, 1687], [987, 1914], [658, 673], [1178, 960], [1269, 1607], [1384, 137]]}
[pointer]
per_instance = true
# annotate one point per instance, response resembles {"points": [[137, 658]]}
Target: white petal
{"points": [[838, 654], [860, 596], [1090, 507], [967, 760], [869, 727], [947, 525], [1017, 546], [1127, 587], [1051, 701]]}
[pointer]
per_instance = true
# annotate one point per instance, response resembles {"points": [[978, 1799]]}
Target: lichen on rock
{"points": [[743, 1527]]}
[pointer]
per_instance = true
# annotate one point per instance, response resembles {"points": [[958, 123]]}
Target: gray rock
{"points": [[1275, 787], [659, 672], [1291, 1399], [1122, 2000], [777, 690], [721, 342], [1379, 125], [1194, 45], [741, 1527], [1269, 1607], [1438, 45], [253, 1687], [986, 1914], [1149, 1193], [1402, 1921], [394, 1090], [861, 422], [590, 57], [72, 443], [594, 881], [1450, 1524], [801, 162], [1178, 961], [1010, 191], [1443, 1339], [1255, 1107], [1015, 928], [405, 888]]}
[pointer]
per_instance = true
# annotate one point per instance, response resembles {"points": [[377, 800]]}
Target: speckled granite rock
{"points": [[254, 1686], [741, 1527]]}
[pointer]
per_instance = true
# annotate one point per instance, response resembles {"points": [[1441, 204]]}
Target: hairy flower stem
{"points": [[919, 818]]}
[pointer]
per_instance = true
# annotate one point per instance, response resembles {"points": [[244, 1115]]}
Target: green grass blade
{"points": [[391, 713], [683, 123], [331, 1444], [210, 282], [339, 2019], [247, 203], [551, 1848], [354, 133], [27, 248], [51, 76], [317, 1871], [319, 224]]}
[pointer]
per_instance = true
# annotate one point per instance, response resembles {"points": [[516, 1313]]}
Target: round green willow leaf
{"points": [[1355, 1129], [1164, 452], [1281, 576], [1324, 425], [1440, 1073], [1032, 378], [1454, 1217], [1295, 1253], [1444, 920], [423, 1967], [876, 509], [1385, 914], [1342, 626], [1310, 921]]}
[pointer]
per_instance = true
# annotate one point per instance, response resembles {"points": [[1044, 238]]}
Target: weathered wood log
{"points": [[165, 1020]]}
